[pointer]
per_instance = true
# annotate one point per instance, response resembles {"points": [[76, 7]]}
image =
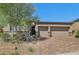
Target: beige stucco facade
{"points": [[48, 29]]}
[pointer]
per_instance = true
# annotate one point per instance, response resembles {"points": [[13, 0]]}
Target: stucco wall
{"points": [[74, 26]]}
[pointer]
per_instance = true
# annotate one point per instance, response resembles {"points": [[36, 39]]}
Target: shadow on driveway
{"points": [[42, 38]]}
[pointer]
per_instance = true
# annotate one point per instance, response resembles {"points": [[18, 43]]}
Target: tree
{"points": [[18, 14], [3, 21]]}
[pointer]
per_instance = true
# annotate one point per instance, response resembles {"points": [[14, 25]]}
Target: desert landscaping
{"points": [[44, 46]]}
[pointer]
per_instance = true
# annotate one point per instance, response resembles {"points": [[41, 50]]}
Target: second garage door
{"points": [[59, 32]]}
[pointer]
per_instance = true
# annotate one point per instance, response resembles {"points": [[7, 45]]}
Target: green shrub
{"points": [[1, 34], [19, 36], [77, 34], [6, 37], [31, 49]]}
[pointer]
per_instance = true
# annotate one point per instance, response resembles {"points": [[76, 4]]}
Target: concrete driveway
{"points": [[60, 44]]}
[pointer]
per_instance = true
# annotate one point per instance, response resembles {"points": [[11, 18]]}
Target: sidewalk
{"points": [[71, 53]]}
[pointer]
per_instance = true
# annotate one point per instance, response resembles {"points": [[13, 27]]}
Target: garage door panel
{"points": [[59, 29], [58, 34], [43, 31]]}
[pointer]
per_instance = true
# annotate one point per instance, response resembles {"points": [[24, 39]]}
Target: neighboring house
{"points": [[50, 29]]}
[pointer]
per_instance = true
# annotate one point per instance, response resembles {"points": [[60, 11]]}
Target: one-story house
{"points": [[50, 29]]}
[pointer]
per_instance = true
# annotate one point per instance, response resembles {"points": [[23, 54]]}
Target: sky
{"points": [[57, 12]]}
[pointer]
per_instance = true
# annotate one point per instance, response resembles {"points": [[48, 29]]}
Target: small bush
{"points": [[1, 34], [31, 49], [20, 36], [6, 37], [77, 34]]}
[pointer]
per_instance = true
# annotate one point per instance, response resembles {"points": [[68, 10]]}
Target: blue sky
{"points": [[57, 12]]}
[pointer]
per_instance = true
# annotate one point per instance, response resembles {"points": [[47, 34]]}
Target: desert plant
{"points": [[20, 36], [23, 36], [1, 34], [77, 33], [6, 37], [31, 49]]}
